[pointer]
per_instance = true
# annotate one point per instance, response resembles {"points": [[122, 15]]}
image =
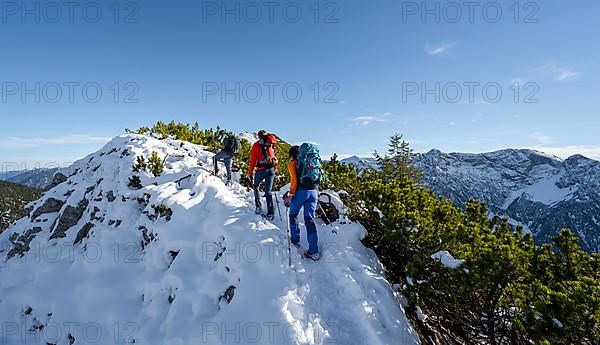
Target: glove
{"points": [[287, 199]]}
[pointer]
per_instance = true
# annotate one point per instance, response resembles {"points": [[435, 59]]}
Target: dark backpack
{"points": [[327, 210], [310, 167], [268, 155], [232, 144]]}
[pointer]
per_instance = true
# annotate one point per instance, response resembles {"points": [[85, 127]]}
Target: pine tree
{"points": [[396, 164], [140, 164], [155, 164]]}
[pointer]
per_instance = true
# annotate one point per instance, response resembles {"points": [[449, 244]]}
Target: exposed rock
{"points": [[172, 295], [51, 205], [83, 233], [229, 293], [57, 179], [110, 196], [69, 218], [20, 244], [28, 210], [147, 236], [94, 212], [222, 248], [173, 254]]}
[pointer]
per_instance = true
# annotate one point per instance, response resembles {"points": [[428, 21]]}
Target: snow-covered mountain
{"points": [[250, 137], [35, 178], [542, 192], [182, 260], [361, 163]]}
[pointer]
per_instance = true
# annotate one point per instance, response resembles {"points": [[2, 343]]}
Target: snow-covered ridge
{"points": [[99, 262]]}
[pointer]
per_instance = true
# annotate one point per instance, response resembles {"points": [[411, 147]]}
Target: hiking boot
{"points": [[312, 256], [297, 245], [258, 210], [270, 217]]}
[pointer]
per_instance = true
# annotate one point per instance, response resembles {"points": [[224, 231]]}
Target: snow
{"points": [[343, 193], [557, 323], [544, 191], [250, 137], [420, 315], [174, 288], [446, 259]]}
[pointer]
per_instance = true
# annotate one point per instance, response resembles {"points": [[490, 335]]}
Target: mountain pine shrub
{"points": [[140, 164], [155, 164]]}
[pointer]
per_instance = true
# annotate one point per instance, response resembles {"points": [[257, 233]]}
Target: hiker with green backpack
{"points": [[231, 147], [306, 174]]}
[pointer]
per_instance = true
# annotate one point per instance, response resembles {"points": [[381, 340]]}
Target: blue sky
{"points": [[370, 62]]}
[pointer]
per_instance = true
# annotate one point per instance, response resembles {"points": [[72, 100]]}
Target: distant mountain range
{"points": [[541, 192], [37, 178], [361, 163]]}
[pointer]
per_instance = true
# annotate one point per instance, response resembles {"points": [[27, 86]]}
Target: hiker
{"points": [[306, 173], [231, 147], [263, 159]]}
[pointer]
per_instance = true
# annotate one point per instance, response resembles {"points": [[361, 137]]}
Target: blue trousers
{"points": [[267, 175], [226, 157], [307, 199]]}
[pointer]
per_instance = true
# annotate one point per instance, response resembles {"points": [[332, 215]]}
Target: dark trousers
{"points": [[226, 157], [268, 176]]}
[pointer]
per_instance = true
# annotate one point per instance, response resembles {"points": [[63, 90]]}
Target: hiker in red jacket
{"points": [[263, 159]]}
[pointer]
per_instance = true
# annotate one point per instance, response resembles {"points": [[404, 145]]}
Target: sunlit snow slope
{"points": [[94, 262]]}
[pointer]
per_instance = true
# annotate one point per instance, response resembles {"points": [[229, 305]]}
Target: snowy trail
{"points": [[214, 273], [328, 300]]}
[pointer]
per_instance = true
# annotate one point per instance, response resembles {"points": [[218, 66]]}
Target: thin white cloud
{"points": [[74, 139], [519, 80], [559, 73], [568, 151], [442, 49], [541, 138], [365, 120]]}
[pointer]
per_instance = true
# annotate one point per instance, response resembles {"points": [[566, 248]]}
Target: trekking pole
{"points": [[324, 214], [287, 222], [278, 208]]}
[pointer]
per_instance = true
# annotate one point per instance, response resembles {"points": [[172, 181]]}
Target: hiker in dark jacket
{"points": [[231, 147]]}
